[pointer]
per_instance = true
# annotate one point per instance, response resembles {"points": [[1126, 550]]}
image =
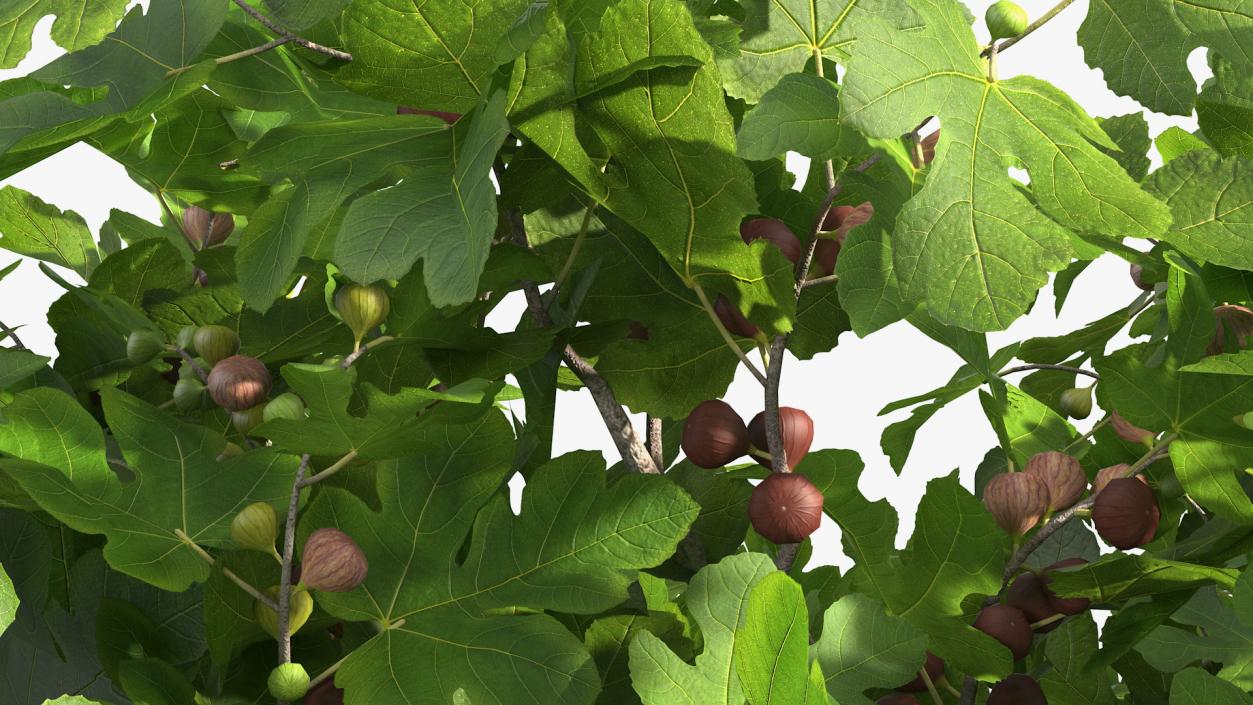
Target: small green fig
{"points": [[188, 394], [143, 345], [239, 382], [285, 406], [1005, 19], [363, 308], [1077, 402], [186, 339], [215, 343], [332, 562], [288, 681], [255, 528], [300, 606], [245, 420]]}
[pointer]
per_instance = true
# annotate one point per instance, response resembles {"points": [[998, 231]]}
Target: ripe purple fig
{"points": [[205, 229], [1018, 689], [785, 508], [332, 562], [934, 666], [928, 147], [1061, 475], [239, 382], [898, 699], [1028, 594], [1077, 402], [1234, 324], [1137, 277], [324, 693], [774, 230], [733, 320], [1016, 500], [798, 434], [714, 435], [1065, 605], [1104, 475], [215, 343], [1125, 513], [449, 118], [1130, 432], [1008, 625]]}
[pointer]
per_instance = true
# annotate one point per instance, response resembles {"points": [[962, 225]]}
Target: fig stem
{"points": [[831, 278], [726, 334], [970, 688], [253, 51], [1047, 621], [12, 335], [1043, 19], [289, 550], [200, 371], [230, 574], [282, 31], [992, 52], [166, 404], [331, 470], [947, 686], [654, 442], [574, 252], [1041, 366], [363, 349], [1091, 432], [926, 680]]}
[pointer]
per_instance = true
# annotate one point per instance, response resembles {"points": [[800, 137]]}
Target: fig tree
{"points": [[285, 406], [1125, 513], [797, 430], [1016, 500], [1008, 625], [1061, 475], [239, 382], [714, 435], [288, 681], [776, 232], [785, 508], [255, 528], [300, 606], [143, 345], [934, 666], [733, 320], [1065, 605], [1005, 19], [204, 229], [1018, 689], [1077, 402], [215, 343], [332, 562], [363, 308]]}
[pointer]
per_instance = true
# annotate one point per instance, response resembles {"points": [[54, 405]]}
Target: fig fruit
{"points": [[934, 666], [188, 394], [836, 225], [928, 147], [299, 607], [1129, 432], [230, 451], [733, 320], [215, 343], [714, 435], [1018, 689], [239, 382], [1016, 500], [186, 339], [898, 699], [798, 434], [255, 528], [324, 693], [205, 229], [1005, 19], [449, 118], [1104, 475], [143, 345], [1008, 625], [785, 508], [1061, 475], [775, 231], [1077, 402], [247, 419], [1125, 513], [332, 562], [285, 406], [1028, 594], [1065, 605], [1137, 277], [288, 681], [363, 308], [1234, 326]]}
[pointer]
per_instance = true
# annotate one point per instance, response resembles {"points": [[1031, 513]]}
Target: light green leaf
{"points": [[79, 24], [1212, 202], [152, 681], [608, 640], [8, 601], [1211, 630], [1027, 425], [862, 647], [1071, 649], [800, 114], [1225, 26], [717, 598], [49, 427], [771, 652], [971, 244], [17, 365], [1175, 141], [33, 228], [74, 700], [1142, 50], [1224, 109], [1120, 577], [299, 14], [1131, 133], [1239, 364], [1195, 686]]}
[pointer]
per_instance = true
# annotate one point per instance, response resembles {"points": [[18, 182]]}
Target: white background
{"points": [[842, 390]]}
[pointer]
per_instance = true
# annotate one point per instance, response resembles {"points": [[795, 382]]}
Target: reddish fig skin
{"points": [[898, 699], [928, 147], [714, 435], [1129, 432], [1061, 475], [1016, 500], [1234, 324], [324, 693], [637, 331], [777, 232], [1008, 625], [785, 508], [837, 224], [825, 254], [449, 118], [1018, 689], [1137, 277], [1028, 594], [1113, 472], [733, 320], [332, 562], [1125, 513], [798, 435], [239, 382], [934, 666], [1065, 605]]}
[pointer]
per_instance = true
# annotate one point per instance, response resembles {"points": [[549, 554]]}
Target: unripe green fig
{"points": [[186, 339], [230, 451], [239, 383], [285, 406], [288, 681], [245, 420], [332, 562], [1077, 402], [299, 607], [1244, 420], [188, 394], [215, 343], [187, 370], [363, 308], [255, 528], [1005, 19], [204, 228], [143, 345]]}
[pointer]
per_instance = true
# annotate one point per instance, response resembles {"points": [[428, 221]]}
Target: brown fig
{"points": [[775, 231], [898, 699], [1028, 594], [1018, 689], [733, 320], [205, 229], [239, 382], [1130, 432], [1017, 500], [1125, 513], [1065, 605], [1007, 625], [785, 508], [826, 251], [798, 434], [843, 218], [332, 562], [1233, 327], [1061, 475], [1104, 475], [928, 147], [449, 118], [714, 435], [934, 666], [1137, 277], [324, 693]]}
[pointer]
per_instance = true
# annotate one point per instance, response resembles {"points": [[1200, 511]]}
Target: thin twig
{"points": [[356, 354], [253, 51], [1091, 432], [283, 31], [818, 281], [654, 441], [726, 334], [289, 550], [230, 574], [1062, 368], [926, 680], [200, 371], [12, 335], [1030, 28], [970, 688], [336, 467], [574, 251]]}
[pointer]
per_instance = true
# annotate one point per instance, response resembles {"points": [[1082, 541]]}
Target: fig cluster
{"points": [[1030, 594], [1050, 482]]}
